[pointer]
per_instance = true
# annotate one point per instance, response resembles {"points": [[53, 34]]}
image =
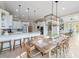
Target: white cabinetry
{"points": [[17, 25], [5, 20], [20, 25]]}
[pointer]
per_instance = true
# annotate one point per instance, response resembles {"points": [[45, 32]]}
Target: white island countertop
{"points": [[18, 36]]}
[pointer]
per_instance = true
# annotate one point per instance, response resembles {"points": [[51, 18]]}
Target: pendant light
{"points": [[19, 16], [28, 13], [29, 16], [34, 13], [56, 9], [57, 15], [52, 8]]}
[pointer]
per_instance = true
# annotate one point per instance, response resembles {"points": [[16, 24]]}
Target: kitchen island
{"points": [[18, 36]]}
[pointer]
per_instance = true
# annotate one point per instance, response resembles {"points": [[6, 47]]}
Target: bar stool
{"points": [[5, 45], [25, 40], [17, 45]]}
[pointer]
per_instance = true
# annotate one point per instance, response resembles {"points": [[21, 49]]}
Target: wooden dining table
{"points": [[46, 46]]}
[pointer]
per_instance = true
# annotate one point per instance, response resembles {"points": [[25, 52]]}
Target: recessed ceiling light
{"points": [[15, 16], [63, 8], [16, 10], [26, 10], [23, 15]]}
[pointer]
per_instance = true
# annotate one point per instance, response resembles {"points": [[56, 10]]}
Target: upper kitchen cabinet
{"points": [[5, 20], [17, 25]]}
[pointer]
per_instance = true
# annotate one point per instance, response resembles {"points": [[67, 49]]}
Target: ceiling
{"points": [[42, 8]]}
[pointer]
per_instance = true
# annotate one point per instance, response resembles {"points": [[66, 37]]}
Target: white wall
{"points": [[74, 17], [20, 25], [67, 21]]}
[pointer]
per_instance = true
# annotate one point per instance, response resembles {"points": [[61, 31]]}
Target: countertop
{"points": [[18, 36]]}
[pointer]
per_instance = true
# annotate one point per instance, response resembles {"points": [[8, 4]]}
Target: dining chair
{"points": [[60, 48], [66, 44], [29, 48]]}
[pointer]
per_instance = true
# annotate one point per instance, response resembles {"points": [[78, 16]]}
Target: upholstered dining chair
{"points": [[29, 49]]}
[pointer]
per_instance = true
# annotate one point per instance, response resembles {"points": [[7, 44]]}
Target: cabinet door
{"points": [[17, 25], [3, 22], [6, 22], [9, 19], [29, 28]]}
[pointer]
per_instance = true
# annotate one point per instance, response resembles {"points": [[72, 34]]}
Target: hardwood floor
{"points": [[74, 46]]}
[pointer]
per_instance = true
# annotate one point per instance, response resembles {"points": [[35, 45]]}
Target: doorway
{"points": [[41, 30]]}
